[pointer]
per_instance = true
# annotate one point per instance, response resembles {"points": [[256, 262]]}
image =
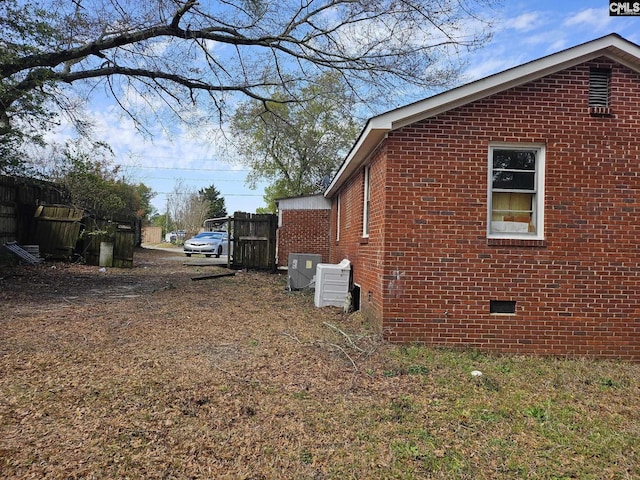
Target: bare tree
{"points": [[187, 208], [198, 212], [170, 54]]}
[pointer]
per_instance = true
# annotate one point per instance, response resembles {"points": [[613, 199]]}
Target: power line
{"points": [[188, 169], [222, 194], [197, 179]]}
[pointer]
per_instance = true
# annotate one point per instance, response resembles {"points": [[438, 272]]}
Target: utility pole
{"points": [[166, 216]]}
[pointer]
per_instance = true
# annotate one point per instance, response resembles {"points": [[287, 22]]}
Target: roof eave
{"points": [[612, 46], [373, 133]]}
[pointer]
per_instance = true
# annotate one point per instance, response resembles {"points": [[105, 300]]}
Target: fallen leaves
{"points": [[143, 373]]}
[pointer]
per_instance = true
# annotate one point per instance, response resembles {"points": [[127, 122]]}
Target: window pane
{"points": [[514, 180], [512, 212], [514, 159]]}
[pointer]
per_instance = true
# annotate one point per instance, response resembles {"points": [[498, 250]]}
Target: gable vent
{"points": [[599, 88]]}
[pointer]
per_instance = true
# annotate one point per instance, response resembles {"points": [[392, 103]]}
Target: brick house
{"points": [[303, 227], [503, 214]]}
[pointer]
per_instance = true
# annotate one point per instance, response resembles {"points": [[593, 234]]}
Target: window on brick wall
{"points": [[516, 181], [366, 212], [338, 218]]}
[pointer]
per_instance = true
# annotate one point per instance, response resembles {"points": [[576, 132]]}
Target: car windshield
{"points": [[210, 235]]}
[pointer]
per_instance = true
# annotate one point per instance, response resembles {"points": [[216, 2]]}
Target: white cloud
{"points": [[157, 47], [525, 34], [593, 18], [525, 22], [489, 66]]}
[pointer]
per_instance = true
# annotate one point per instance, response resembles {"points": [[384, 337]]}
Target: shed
{"points": [[303, 227]]}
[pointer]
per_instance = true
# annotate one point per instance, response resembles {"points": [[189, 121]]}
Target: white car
{"points": [[207, 243], [173, 237]]}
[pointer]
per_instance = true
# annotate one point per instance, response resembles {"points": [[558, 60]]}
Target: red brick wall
{"points": [[429, 263], [365, 254], [303, 231]]}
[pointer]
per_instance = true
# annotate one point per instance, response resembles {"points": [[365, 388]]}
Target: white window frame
{"points": [[338, 218], [538, 204], [366, 207]]}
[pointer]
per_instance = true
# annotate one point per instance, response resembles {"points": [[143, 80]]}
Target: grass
{"points": [[539, 418], [240, 379]]}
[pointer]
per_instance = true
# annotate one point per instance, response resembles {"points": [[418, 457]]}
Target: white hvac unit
{"points": [[302, 269], [332, 283]]}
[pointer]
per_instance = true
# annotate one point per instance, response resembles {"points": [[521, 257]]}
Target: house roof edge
{"points": [[612, 45]]}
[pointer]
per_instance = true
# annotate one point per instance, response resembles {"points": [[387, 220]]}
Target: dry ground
{"points": [[145, 373]]}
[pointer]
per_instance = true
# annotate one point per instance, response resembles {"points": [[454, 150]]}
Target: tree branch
{"points": [[181, 12], [277, 46], [191, 84]]}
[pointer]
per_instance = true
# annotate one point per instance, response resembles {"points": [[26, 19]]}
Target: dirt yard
{"points": [[146, 373]]}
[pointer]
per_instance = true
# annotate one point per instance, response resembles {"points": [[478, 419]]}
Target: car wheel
{"points": [[219, 252], [208, 256], [188, 254]]}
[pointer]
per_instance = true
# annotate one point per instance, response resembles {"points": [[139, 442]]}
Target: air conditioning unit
{"points": [[332, 283], [302, 270]]}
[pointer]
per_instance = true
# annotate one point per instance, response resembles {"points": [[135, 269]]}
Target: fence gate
{"points": [[120, 235], [254, 241]]}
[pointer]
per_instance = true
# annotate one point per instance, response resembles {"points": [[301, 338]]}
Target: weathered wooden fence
{"points": [[118, 236], [19, 198], [152, 235], [31, 214], [254, 241], [56, 230]]}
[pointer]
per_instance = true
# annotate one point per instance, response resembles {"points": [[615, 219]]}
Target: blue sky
{"points": [[525, 30]]}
